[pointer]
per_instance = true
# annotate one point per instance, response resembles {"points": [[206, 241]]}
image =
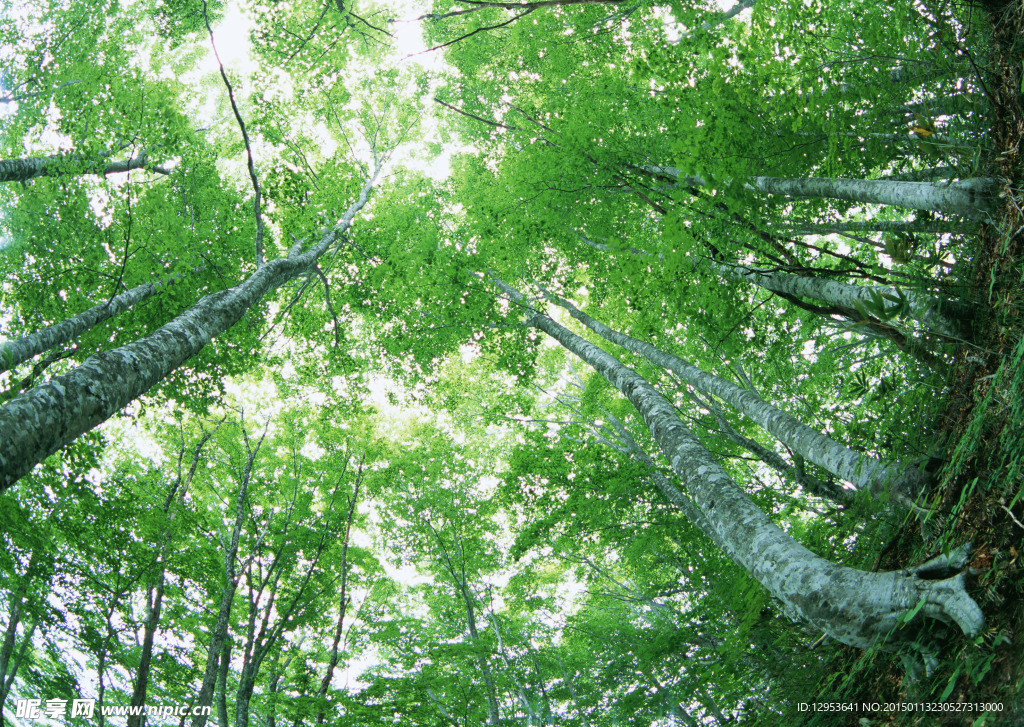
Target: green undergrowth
{"points": [[980, 497], [978, 681]]}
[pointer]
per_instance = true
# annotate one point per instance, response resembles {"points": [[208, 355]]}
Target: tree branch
{"points": [[245, 137]]}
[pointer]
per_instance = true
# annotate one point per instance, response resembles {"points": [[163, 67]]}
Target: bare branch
{"points": [[330, 308], [245, 137], [474, 32], [474, 116]]}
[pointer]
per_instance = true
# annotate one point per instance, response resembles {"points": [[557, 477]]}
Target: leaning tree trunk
{"points": [[934, 313], [830, 491], [37, 423], [26, 168], [971, 198], [880, 479], [925, 309], [855, 607]]}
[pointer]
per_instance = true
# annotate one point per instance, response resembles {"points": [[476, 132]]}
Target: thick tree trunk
{"points": [[902, 482], [971, 198], [37, 423], [855, 607]]}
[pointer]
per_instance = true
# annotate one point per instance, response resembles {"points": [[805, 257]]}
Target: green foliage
{"points": [[386, 420], [177, 20]]}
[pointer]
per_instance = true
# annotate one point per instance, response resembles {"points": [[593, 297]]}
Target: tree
{"points": [[854, 607], [51, 415], [216, 271]]}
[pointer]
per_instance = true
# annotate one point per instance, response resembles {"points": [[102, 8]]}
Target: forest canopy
{"points": [[576, 362]]}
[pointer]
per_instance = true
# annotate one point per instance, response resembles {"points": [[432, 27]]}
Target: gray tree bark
{"points": [[972, 198], [22, 349], [855, 607], [923, 308], [880, 479], [40, 421], [811, 485], [55, 165]]}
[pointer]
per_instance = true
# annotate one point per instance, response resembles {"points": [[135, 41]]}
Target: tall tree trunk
{"points": [[928, 311], [343, 599], [9, 660], [218, 636], [940, 316], [40, 421], [880, 479], [972, 198], [930, 174], [855, 607], [222, 685], [811, 485], [910, 226], [155, 596], [493, 715], [469, 601], [274, 687]]}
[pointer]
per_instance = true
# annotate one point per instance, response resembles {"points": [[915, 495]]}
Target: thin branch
{"points": [[12, 97], [245, 137], [330, 308], [369, 24], [474, 32], [474, 116]]}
